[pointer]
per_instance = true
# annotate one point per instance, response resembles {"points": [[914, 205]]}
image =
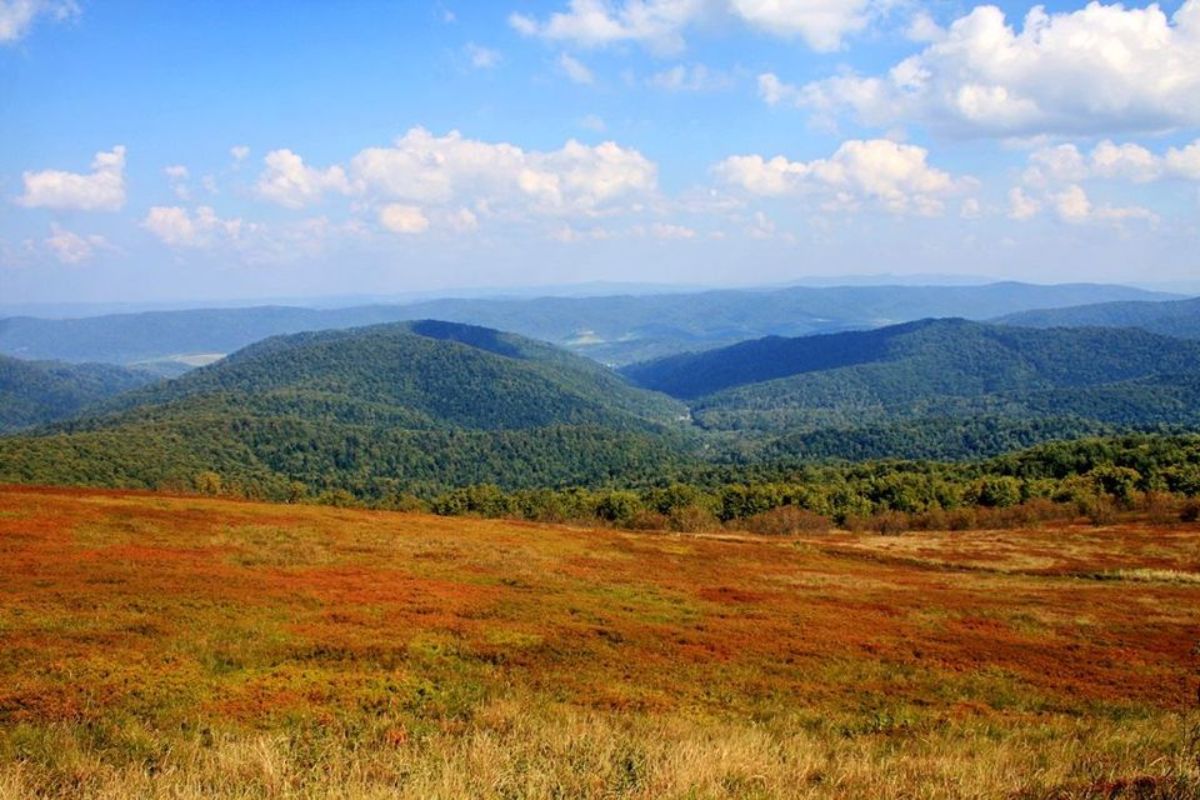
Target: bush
{"points": [[646, 520], [1190, 511], [207, 482], [692, 519], [887, 523], [618, 507], [787, 521], [1100, 510]]}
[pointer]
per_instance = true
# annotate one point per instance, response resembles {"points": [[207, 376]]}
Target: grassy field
{"points": [[155, 646]]}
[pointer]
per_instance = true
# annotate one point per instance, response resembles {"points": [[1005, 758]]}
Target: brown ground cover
{"points": [[186, 647]]}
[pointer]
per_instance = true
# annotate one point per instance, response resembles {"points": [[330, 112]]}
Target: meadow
{"points": [[156, 646]]}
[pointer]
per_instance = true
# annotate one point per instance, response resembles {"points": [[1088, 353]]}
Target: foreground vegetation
{"points": [[155, 646]]}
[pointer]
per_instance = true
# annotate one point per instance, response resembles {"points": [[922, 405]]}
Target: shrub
{"points": [[647, 520], [1190, 511], [786, 521], [692, 519], [207, 482], [618, 507], [1100, 510]]}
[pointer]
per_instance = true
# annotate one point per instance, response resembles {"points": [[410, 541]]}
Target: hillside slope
{"points": [[38, 392], [938, 369], [1179, 318], [378, 410]]}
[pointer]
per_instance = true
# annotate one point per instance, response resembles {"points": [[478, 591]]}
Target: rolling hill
{"points": [[378, 410], [935, 388], [1179, 318], [614, 329], [37, 392]]}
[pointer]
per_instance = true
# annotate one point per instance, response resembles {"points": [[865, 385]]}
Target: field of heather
{"points": [[178, 647]]}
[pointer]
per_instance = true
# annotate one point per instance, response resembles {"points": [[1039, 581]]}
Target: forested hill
{"points": [[37, 392], [943, 356], [423, 374], [618, 329], [1180, 318], [377, 411]]}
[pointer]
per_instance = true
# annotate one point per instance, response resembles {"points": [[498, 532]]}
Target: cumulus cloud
{"points": [[420, 168], [239, 152], [71, 248], [454, 181], [18, 16], [1102, 68], [400, 218], [896, 177], [823, 24], [103, 189], [1066, 163], [661, 24], [179, 227], [1021, 206], [290, 182], [1074, 206]]}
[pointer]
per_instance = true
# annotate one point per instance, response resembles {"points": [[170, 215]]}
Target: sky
{"points": [[206, 150]]}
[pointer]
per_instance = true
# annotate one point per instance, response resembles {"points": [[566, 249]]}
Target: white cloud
{"points": [[1184, 162], [693, 78], [18, 16], [664, 230], [288, 181], [1066, 163], [177, 177], [399, 218], [895, 176], [71, 248], [424, 169], [660, 24], [101, 190], [1129, 161], [1102, 68], [1074, 206], [482, 57], [575, 69], [823, 24], [239, 152], [595, 23], [1021, 205], [178, 227]]}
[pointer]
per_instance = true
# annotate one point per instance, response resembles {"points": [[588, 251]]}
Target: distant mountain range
{"points": [[610, 329], [1174, 318]]}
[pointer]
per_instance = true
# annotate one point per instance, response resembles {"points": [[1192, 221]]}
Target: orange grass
{"points": [[185, 647]]}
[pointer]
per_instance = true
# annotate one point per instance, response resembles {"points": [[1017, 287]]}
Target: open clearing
{"points": [[155, 646]]}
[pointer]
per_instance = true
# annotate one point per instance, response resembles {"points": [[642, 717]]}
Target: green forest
{"points": [[923, 418]]}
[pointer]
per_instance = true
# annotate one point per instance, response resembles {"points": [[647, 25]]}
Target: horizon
{"points": [[577, 291], [171, 155]]}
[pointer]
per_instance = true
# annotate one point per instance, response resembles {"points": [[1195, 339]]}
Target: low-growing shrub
{"points": [[787, 521], [646, 520]]}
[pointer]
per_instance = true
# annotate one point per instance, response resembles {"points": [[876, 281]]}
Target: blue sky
{"points": [[183, 151]]}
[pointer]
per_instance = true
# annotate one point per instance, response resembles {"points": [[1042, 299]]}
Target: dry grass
{"points": [[184, 648]]}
